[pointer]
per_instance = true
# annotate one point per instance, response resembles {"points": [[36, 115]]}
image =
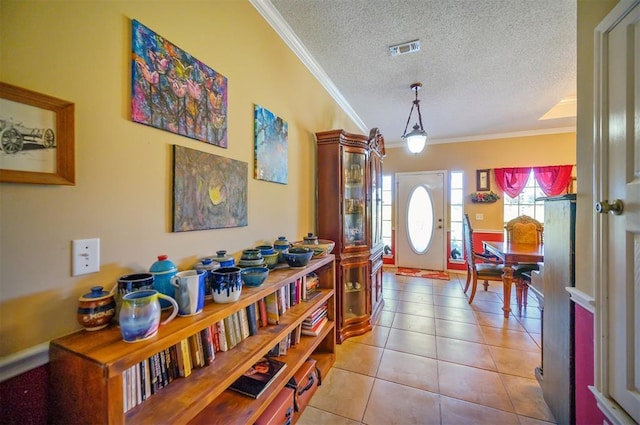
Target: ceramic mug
{"points": [[130, 283], [189, 291], [140, 314]]}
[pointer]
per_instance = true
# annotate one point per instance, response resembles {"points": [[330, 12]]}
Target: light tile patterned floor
{"points": [[432, 358]]}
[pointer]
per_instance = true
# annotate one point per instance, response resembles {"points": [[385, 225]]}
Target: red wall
{"points": [[23, 399], [587, 412]]}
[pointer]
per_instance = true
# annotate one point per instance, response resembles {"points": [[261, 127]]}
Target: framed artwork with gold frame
{"points": [[36, 137]]}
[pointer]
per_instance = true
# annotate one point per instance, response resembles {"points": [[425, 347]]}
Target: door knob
{"points": [[614, 208]]}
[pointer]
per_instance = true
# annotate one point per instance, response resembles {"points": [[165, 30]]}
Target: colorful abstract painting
{"points": [[209, 191], [271, 146], [174, 91]]}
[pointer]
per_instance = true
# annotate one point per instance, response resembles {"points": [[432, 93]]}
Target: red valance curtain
{"points": [[553, 179], [512, 180]]}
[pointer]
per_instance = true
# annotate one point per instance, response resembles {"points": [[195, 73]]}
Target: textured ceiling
{"points": [[489, 68]]}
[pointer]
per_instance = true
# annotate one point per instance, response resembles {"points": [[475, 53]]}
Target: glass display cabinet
{"points": [[347, 208]]}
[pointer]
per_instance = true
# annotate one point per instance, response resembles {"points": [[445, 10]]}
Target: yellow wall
{"points": [[80, 51], [553, 149]]}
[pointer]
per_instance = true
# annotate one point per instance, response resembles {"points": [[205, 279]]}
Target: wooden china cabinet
{"points": [[349, 191]]}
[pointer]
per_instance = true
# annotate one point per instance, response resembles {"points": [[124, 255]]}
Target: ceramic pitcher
{"points": [[140, 314]]}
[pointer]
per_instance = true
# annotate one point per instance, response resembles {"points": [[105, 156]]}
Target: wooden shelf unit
{"points": [[86, 367]]}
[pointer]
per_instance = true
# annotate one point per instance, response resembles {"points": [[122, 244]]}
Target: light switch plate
{"points": [[85, 256], [479, 217]]}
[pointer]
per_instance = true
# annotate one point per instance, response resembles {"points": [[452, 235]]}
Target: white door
{"points": [[420, 212], [618, 232]]}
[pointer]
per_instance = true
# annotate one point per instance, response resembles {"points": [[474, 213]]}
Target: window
{"points": [[387, 196], [525, 203], [456, 203]]}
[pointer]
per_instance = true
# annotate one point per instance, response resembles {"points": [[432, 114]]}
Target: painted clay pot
{"points": [[96, 309]]}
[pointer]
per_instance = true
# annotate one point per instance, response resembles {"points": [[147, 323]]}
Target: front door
{"points": [[420, 212], [618, 224]]}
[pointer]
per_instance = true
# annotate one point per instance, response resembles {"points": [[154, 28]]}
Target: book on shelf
{"points": [[283, 346], [195, 349], [252, 319], [273, 316], [180, 358], [237, 327], [207, 346], [229, 333], [258, 378], [214, 337], [222, 336], [244, 323], [296, 333], [262, 311], [315, 331], [138, 384], [146, 379], [311, 286]]}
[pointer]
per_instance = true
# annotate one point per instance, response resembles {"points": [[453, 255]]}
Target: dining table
{"points": [[511, 254]]}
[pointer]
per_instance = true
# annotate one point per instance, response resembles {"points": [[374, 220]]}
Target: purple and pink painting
{"points": [[174, 91]]}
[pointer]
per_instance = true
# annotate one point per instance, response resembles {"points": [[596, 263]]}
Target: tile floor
{"points": [[432, 358]]}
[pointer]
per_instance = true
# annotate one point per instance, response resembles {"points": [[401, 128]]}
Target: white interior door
{"points": [[420, 212], [618, 232]]}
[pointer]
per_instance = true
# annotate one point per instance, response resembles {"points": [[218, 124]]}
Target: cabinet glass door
{"points": [[354, 198], [354, 301], [376, 201]]}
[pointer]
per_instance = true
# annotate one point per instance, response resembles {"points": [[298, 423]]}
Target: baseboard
{"points": [[24, 361]]}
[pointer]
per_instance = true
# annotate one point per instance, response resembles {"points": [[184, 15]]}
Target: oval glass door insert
{"points": [[420, 220]]}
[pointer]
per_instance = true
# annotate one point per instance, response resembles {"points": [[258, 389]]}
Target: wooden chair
{"points": [[523, 229], [479, 267]]}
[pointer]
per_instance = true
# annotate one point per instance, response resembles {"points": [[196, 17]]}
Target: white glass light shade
{"points": [[416, 140]]}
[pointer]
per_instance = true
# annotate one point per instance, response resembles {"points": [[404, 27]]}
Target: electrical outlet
{"points": [[85, 256], [479, 217]]}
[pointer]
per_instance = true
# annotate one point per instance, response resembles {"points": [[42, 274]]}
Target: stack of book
{"points": [[313, 324]]}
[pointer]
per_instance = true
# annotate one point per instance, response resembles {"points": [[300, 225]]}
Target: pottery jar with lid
{"points": [[208, 265], [163, 270], [96, 309], [281, 245], [223, 259], [310, 239]]}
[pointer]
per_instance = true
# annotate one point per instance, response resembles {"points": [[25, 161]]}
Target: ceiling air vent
{"points": [[404, 48]]}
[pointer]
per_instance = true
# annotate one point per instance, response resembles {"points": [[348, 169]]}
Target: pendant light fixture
{"points": [[417, 138]]}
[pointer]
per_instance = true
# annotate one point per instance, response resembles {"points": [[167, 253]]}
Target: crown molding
{"points": [[277, 22], [480, 137]]}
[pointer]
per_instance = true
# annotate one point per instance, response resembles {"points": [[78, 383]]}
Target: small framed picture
{"points": [[36, 137], [482, 180]]}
